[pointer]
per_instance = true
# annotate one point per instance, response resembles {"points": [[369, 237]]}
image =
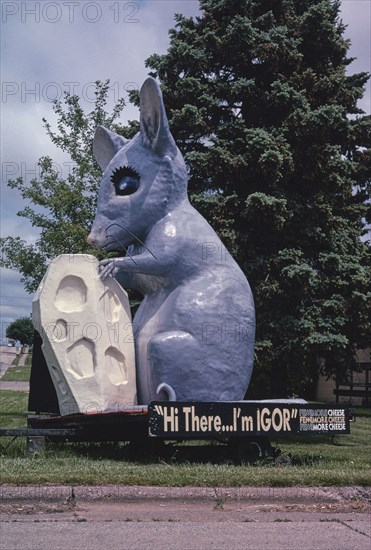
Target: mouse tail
{"points": [[171, 395]]}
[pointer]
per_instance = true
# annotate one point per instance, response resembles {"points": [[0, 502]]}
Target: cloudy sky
{"points": [[51, 47]]}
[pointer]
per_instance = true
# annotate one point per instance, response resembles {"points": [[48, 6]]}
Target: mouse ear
{"points": [[105, 145], [154, 125]]}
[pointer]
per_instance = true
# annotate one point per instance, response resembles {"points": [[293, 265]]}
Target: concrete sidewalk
{"points": [[7, 356], [23, 359], [15, 386]]}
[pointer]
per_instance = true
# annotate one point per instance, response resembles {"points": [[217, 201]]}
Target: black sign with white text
{"points": [[215, 419]]}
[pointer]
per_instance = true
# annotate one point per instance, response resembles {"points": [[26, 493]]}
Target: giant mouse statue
{"points": [[194, 330]]}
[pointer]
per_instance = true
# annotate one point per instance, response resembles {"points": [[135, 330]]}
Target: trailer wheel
{"points": [[246, 450]]}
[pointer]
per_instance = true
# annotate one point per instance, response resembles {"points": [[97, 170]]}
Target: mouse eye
{"points": [[126, 180]]}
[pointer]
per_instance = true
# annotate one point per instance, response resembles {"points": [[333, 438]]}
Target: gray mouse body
{"points": [[194, 330]]}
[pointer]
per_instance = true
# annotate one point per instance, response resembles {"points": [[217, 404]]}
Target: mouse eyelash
{"points": [[125, 180], [119, 173]]}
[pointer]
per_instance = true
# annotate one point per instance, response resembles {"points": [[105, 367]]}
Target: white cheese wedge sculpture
{"points": [[88, 344]]}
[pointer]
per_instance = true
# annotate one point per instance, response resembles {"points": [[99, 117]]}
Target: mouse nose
{"points": [[96, 237], [90, 240]]}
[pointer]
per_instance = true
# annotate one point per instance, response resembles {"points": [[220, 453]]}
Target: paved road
{"points": [[154, 518], [287, 535]]}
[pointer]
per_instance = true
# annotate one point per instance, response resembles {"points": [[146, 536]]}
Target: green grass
{"points": [[13, 409], [17, 374], [315, 460]]}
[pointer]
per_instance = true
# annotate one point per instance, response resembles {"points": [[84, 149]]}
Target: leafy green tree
{"points": [[63, 208], [21, 329], [279, 156]]}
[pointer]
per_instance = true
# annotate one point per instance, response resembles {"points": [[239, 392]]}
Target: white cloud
{"points": [[41, 58]]}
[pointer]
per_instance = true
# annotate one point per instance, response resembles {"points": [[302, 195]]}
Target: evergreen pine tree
{"points": [[260, 102]]}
